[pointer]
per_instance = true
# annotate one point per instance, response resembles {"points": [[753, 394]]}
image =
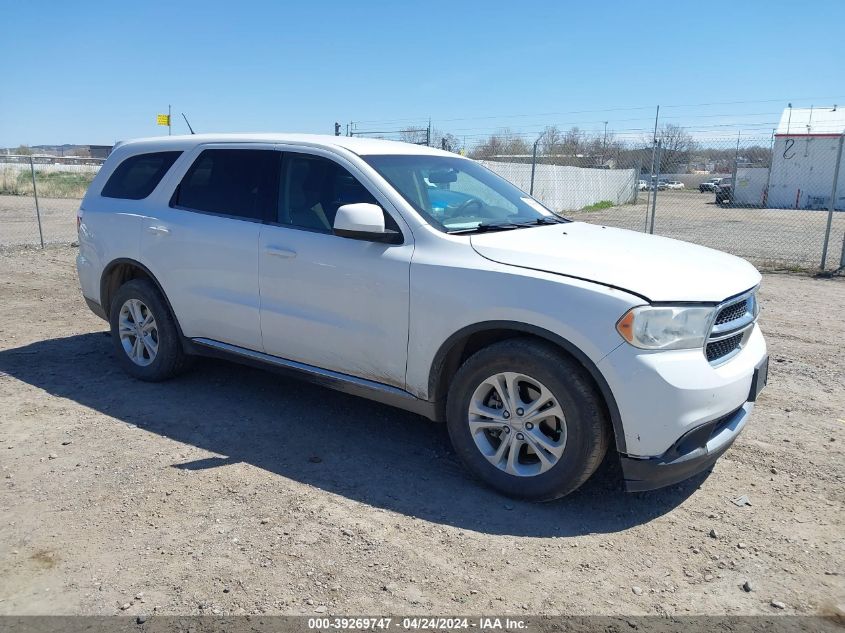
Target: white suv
{"points": [[418, 278]]}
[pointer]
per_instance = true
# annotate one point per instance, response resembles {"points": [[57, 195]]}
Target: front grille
{"points": [[731, 328], [720, 349], [732, 312]]}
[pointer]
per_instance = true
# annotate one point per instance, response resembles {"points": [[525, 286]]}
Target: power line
{"points": [[581, 123], [600, 111]]}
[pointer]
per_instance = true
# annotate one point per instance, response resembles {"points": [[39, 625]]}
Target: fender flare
{"points": [[604, 388], [107, 270]]}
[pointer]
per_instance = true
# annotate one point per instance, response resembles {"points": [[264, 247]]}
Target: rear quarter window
{"points": [[137, 176], [241, 183]]}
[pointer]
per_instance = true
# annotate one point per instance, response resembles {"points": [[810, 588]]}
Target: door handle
{"points": [[158, 230], [276, 251]]}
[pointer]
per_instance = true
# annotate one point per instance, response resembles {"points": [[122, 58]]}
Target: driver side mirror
{"points": [[364, 221]]}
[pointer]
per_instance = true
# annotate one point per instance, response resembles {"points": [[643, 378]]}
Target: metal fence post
{"points": [[651, 175], [842, 256], [656, 182], [637, 180], [534, 163], [832, 204], [35, 195]]}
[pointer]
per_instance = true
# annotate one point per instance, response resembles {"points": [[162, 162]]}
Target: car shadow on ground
{"points": [[365, 451]]}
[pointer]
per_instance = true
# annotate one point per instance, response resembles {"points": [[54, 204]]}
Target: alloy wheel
{"points": [[517, 423], [138, 332]]}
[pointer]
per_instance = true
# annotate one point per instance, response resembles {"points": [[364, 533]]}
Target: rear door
{"points": [[202, 243], [328, 301]]}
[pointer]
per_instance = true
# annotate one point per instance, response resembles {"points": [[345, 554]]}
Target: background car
{"points": [[724, 191], [674, 184], [709, 185]]}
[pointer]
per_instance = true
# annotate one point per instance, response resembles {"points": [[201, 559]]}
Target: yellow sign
{"points": [[163, 119]]}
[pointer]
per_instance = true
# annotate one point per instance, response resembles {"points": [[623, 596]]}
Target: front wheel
{"points": [[527, 420]]}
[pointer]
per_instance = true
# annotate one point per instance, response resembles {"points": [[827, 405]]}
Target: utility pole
{"points": [[336, 128], [168, 120]]}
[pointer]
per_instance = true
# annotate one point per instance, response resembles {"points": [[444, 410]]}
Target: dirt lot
{"points": [[19, 224], [772, 238], [232, 490]]}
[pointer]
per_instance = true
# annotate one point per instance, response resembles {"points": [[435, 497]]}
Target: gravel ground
{"points": [[19, 223], [232, 490], [771, 238]]}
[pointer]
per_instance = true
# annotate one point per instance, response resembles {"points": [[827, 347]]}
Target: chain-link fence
{"points": [[39, 196], [777, 201]]}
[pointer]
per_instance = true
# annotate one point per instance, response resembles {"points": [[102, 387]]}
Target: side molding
{"points": [[324, 377]]}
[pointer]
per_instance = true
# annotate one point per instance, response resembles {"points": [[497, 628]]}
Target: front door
{"points": [[327, 301]]}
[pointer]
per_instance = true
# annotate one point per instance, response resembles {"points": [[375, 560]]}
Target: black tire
{"points": [[587, 428], [170, 359]]}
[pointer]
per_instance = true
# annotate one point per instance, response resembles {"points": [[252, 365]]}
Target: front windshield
{"points": [[459, 195]]}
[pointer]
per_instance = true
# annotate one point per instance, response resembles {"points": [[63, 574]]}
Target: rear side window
{"points": [[238, 182], [137, 176]]}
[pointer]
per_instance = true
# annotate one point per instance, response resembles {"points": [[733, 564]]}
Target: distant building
{"points": [[99, 151], [804, 159]]}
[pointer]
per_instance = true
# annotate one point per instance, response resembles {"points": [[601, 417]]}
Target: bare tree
{"points": [[447, 141], [677, 146], [552, 143], [504, 144], [573, 142], [413, 135]]}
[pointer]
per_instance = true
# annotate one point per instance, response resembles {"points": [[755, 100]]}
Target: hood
{"points": [[656, 268]]}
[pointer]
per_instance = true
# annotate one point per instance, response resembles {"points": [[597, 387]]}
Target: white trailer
{"points": [[804, 156]]}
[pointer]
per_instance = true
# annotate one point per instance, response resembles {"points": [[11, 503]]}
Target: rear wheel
{"points": [[526, 420], [144, 333]]}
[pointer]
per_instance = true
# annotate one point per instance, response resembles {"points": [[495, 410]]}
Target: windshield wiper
{"points": [[548, 219], [490, 226], [504, 226]]}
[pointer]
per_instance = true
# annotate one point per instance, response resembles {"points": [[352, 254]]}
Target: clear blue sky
{"points": [[95, 72]]}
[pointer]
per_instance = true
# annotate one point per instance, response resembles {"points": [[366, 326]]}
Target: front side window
{"points": [[459, 195], [137, 176], [313, 188], [236, 182]]}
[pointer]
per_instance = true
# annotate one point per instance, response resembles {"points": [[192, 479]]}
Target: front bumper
{"points": [[697, 449], [704, 445], [663, 395]]}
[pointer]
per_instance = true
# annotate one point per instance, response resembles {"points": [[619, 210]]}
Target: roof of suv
{"points": [[356, 144]]}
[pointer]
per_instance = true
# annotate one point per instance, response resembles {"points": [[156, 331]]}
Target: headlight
{"points": [[666, 327]]}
